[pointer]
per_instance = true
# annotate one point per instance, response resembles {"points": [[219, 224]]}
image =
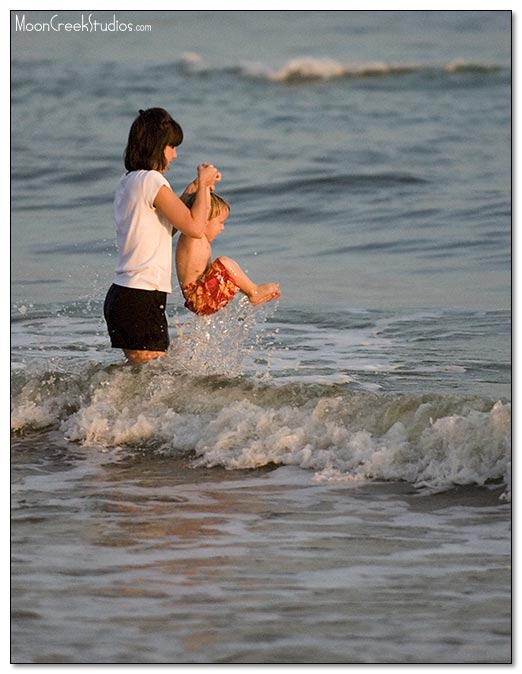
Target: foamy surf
{"points": [[430, 441]]}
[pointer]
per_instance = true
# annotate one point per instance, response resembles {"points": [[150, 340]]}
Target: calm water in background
{"points": [[323, 480]]}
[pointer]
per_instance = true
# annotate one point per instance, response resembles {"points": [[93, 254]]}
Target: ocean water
{"points": [[324, 479]]}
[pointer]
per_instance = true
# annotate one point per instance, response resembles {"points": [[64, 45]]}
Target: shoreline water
{"points": [[183, 565]]}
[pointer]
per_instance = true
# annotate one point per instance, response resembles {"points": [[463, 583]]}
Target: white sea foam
{"points": [[467, 448]]}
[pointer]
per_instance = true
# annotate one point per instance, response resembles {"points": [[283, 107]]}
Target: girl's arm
{"points": [[189, 221]]}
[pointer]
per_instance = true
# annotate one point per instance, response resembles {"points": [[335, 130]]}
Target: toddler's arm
{"points": [[189, 189]]}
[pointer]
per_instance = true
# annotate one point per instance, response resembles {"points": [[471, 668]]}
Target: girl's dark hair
{"points": [[149, 135]]}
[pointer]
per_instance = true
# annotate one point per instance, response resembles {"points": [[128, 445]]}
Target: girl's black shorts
{"points": [[136, 319]]}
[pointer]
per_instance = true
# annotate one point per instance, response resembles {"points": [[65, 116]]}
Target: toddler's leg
{"points": [[257, 294]]}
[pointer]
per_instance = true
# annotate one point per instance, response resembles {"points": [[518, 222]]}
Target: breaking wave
{"points": [[433, 441]]}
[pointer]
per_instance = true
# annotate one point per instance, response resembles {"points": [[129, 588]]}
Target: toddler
{"points": [[209, 285]]}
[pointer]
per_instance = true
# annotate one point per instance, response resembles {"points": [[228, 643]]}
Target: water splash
{"points": [[225, 343]]}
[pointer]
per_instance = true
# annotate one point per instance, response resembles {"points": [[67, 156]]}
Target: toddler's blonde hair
{"points": [[218, 205]]}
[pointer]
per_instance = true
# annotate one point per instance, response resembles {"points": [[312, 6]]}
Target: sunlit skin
{"points": [[194, 256]]}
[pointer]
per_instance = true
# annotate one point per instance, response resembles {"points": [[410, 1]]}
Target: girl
{"points": [[147, 214]]}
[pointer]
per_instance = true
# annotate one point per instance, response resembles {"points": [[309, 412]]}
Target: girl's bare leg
{"points": [[134, 356], [257, 294]]}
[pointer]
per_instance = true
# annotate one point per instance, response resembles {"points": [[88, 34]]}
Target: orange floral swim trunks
{"points": [[212, 291]]}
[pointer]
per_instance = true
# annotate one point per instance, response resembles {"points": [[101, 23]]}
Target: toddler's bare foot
{"points": [[264, 293]]}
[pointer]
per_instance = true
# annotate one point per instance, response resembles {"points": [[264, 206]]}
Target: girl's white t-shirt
{"points": [[143, 234]]}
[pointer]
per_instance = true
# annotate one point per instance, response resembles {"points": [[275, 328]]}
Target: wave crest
{"points": [[313, 68]]}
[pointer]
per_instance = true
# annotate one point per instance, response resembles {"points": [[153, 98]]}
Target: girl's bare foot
{"points": [[264, 293]]}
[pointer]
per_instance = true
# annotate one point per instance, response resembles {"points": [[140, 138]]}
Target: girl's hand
{"points": [[208, 175]]}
